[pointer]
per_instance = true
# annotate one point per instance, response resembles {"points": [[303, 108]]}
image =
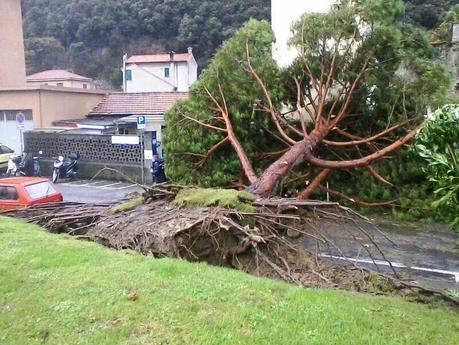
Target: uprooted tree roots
{"points": [[268, 242]]}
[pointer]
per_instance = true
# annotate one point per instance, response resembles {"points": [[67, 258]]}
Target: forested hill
{"points": [[91, 36]]}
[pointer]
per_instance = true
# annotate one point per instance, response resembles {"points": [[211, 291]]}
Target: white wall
{"points": [[284, 14], [10, 135], [66, 83], [149, 77]]}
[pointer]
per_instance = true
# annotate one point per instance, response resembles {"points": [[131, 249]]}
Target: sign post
{"points": [[20, 120], [141, 125]]}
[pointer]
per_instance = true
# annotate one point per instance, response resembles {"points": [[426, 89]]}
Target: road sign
{"points": [[20, 119], [141, 122]]}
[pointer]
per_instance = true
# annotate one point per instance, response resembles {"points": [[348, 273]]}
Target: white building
{"points": [[160, 72], [284, 14]]}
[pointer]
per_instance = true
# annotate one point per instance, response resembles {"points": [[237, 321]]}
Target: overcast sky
{"points": [[284, 13]]}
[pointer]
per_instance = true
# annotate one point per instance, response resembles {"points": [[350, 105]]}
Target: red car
{"points": [[20, 192]]}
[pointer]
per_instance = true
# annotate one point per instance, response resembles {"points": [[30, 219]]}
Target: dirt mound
{"points": [[256, 244]]}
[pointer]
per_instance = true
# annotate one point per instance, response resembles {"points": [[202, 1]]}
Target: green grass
{"points": [[129, 205], [209, 197], [58, 290]]}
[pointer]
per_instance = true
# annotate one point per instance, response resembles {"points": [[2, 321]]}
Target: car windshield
{"points": [[5, 149], [8, 193], [40, 190]]}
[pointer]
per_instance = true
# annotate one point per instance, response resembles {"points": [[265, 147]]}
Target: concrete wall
{"points": [[12, 61], [66, 105], [283, 14], [150, 77]]}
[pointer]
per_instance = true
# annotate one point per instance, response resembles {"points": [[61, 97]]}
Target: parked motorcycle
{"points": [[67, 168], [25, 165], [13, 166], [157, 170]]}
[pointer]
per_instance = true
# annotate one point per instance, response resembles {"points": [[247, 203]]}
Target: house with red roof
{"points": [[60, 77], [159, 72]]}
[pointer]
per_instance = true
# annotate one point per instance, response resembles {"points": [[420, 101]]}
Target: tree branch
{"points": [[203, 124], [306, 194], [211, 152], [277, 119], [243, 158], [365, 140], [362, 162]]}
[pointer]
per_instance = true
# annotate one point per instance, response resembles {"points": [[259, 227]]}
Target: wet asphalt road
{"points": [[426, 254], [97, 191]]}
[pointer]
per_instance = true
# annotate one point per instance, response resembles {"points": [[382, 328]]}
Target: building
{"points": [[124, 108], [40, 105], [160, 72], [12, 60], [108, 137], [61, 78], [283, 14]]}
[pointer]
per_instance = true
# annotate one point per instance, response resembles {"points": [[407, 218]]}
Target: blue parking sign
{"points": [[141, 122]]}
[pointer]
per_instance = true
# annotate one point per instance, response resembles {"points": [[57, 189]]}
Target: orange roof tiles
{"points": [[144, 103], [159, 58]]}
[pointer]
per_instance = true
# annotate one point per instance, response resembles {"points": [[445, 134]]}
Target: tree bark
{"points": [[266, 185]]}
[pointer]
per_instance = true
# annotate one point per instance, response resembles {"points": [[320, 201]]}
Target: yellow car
{"points": [[5, 153]]}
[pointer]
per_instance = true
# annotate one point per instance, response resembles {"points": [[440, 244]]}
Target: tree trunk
{"points": [[266, 185]]}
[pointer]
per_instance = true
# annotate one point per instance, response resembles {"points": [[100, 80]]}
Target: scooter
{"points": [[65, 168], [157, 171], [25, 165], [13, 166]]}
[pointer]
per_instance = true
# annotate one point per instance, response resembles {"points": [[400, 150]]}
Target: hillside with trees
{"points": [[427, 13], [90, 36]]}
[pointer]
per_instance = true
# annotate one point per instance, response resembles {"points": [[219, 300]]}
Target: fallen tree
{"points": [[356, 94]]}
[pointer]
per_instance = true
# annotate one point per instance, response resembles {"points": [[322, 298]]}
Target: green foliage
{"points": [[186, 142], [96, 33], [405, 78], [57, 290], [445, 30], [43, 53], [438, 145], [225, 198]]}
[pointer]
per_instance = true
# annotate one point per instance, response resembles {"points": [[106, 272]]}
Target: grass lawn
{"points": [[57, 290]]}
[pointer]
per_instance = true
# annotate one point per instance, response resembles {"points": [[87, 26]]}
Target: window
{"points": [[128, 74], [85, 86], [11, 114], [167, 72], [40, 190], [60, 84], [8, 193], [5, 150]]}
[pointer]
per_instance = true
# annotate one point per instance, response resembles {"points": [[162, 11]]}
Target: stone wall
{"points": [[91, 148]]}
